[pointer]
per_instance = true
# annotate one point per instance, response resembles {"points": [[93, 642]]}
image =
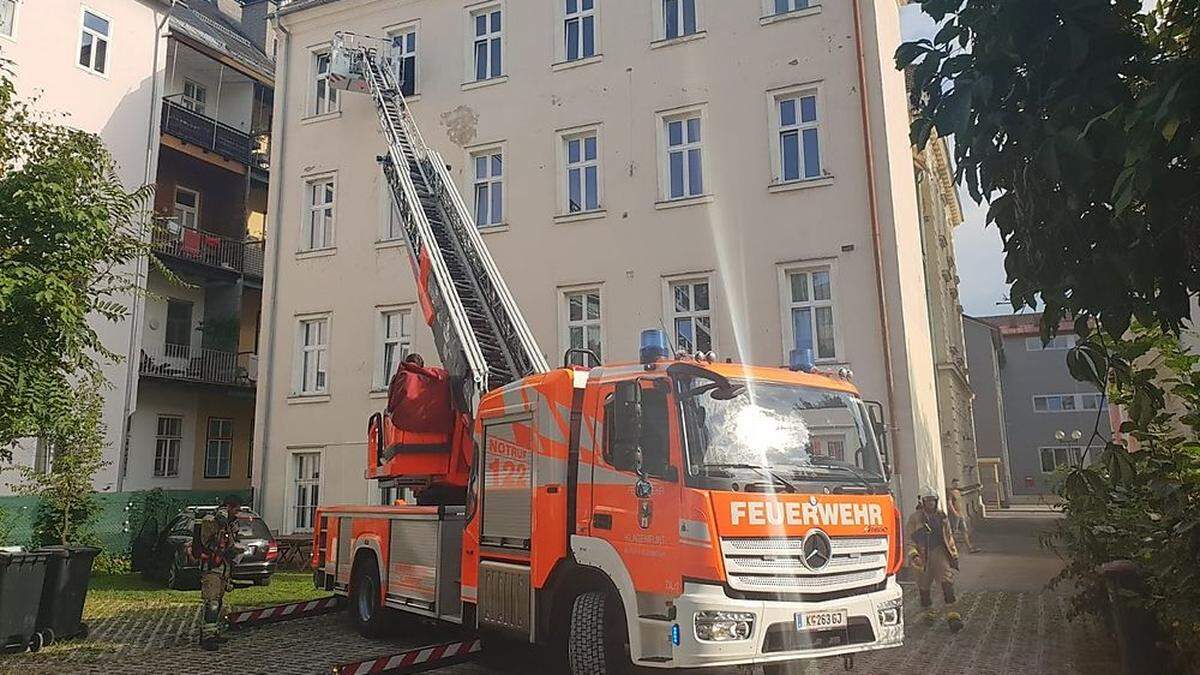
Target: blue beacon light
{"points": [[801, 359], [654, 345]]}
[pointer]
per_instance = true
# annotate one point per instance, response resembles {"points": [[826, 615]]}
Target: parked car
{"points": [[182, 570]]}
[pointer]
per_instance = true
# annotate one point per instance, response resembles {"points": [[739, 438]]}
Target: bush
{"points": [[107, 563], [152, 512]]}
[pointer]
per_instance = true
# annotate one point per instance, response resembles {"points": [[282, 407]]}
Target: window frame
{"points": [[472, 68], [1074, 454], [292, 493], [1034, 344], [108, 39], [491, 150], [383, 374], [406, 28], [670, 315], [190, 102], [565, 137], [16, 18], [209, 439], [778, 129], [299, 374], [661, 23], [786, 305], [565, 17], [331, 103], [770, 8], [195, 210], [167, 470], [665, 118], [1077, 402], [306, 230], [565, 323]]}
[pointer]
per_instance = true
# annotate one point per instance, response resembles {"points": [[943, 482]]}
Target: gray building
{"points": [[985, 358], [1050, 420]]}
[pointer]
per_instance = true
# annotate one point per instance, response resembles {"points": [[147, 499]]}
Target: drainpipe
{"points": [[142, 272], [885, 331], [274, 227]]}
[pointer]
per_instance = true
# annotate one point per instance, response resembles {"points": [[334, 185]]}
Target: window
{"points": [[318, 218], [178, 332], [796, 139], [684, 169], [404, 55], [1059, 343], [219, 447], [166, 446], [654, 441], [1053, 459], [489, 187], [93, 43], [194, 96], [583, 172], [583, 326], [395, 342], [306, 489], [833, 447], [393, 226], [785, 6], [809, 302], [679, 18], [8, 17], [691, 315], [187, 207], [1068, 402], [579, 29], [313, 356], [488, 39], [325, 97]]}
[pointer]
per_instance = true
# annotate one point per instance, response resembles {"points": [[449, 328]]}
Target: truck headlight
{"points": [[724, 626], [891, 612]]}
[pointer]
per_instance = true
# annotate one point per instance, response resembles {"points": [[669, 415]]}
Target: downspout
{"points": [[885, 331], [142, 272], [272, 235]]}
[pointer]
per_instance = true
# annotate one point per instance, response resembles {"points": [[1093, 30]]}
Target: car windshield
{"points": [[774, 426], [252, 528]]}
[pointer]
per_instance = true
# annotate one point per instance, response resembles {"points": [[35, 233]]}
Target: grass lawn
{"points": [[112, 594]]}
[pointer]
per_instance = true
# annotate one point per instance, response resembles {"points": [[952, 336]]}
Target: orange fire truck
{"points": [[674, 513]]}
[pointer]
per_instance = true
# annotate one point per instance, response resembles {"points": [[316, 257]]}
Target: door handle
{"points": [[602, 521]]}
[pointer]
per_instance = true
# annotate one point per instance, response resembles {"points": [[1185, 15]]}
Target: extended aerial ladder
{"points": [[479, 332]]}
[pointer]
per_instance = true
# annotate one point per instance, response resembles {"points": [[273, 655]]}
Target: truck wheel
{"points": [[596, 644], [785, 668], [365, 607]]}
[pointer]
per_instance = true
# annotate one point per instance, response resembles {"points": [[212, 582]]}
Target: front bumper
{"points": [[774, 637]]}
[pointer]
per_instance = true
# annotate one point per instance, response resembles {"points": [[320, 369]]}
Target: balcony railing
{"points": [[200, 246], [210, 366], [204, 131], [252, 258]]}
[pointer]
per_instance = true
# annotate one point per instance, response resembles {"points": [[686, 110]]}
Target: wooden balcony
{"points": [[206, 132]]}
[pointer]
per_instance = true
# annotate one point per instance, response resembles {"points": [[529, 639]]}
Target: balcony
{"points": [[208, 366], [207, 133], [201, 247], [252, 258]]}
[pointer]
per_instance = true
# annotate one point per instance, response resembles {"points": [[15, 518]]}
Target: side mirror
{"points": [[627, 426], [879, 427]]}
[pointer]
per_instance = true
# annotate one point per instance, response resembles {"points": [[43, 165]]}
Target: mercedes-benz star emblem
{"points": [[816, 550]]}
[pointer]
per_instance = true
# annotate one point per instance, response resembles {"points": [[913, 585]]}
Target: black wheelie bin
{"points": [[21, 580], [68, 571]]}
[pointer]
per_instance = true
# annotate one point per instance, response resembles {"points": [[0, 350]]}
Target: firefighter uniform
{"points": [[216, 536], [931, 544]]}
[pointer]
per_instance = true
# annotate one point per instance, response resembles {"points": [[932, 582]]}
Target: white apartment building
{"points": [[736, 172]]}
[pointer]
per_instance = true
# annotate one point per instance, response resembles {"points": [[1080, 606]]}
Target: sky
{"points": [[978, 250]]}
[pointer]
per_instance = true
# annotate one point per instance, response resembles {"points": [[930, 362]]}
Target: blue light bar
{"points": [[654, 345], [675, 636], [801, 359]]}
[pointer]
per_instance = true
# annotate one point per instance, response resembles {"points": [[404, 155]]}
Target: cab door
{"points": [[639, 514]]}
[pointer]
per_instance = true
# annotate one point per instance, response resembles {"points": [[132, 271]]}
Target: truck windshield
{"points": [[789, 431]]}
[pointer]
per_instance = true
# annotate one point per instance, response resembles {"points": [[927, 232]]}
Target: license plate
{"points": [[821, 620]]}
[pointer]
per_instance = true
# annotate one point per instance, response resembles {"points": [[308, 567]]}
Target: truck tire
{"points": [[785, 668], [596, 643], [366, 609]]}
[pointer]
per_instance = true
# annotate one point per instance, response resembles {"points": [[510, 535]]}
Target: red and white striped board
{"points": [[292, 610], [415, 660]]}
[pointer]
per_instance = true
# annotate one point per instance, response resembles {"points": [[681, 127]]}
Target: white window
{"points": [[797, 142], [312, 357], [318, 217], [833, 447], [488, 42], [785, 6], [1059, 343], [691, 314], [195, 96], [808, 296], [684, 169], [679, 18], [395, 342], [1051, 403], [489, 187], [8, 17], [582, 172], [167, 440], [93, 42], [393, 226], [325, 97], [1053, 459], [187, 207], [219, 447], [306, 489], [404, 56], [583, 328], [579, 28]]}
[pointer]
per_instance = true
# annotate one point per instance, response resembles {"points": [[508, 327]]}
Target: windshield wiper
{"points": [[766, 471], [852, 470]]}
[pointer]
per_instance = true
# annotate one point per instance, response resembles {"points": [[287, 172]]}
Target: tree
{"points": [[1078, 121], [69, 232]]}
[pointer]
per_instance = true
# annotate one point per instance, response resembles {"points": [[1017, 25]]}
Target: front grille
{"points": [[783, 637], [774, 565]]}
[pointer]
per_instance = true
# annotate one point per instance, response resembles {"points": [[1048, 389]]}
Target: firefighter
{"points": [[214, 544], [932, 552]]}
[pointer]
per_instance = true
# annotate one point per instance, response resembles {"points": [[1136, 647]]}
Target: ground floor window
{"points": [[219, 447], [306, 477], [168, 438], [1053, 459]]}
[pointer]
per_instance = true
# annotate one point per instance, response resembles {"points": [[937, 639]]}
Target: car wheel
{"points": [[365, 607]]}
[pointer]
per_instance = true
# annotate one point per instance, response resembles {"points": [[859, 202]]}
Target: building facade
{"points": [[1051, 420], [985, 359], [723, 170], [181, 96], [940, 212]]}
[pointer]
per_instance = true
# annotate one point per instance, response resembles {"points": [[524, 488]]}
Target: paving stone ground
{"points": [[1013, 626]]}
